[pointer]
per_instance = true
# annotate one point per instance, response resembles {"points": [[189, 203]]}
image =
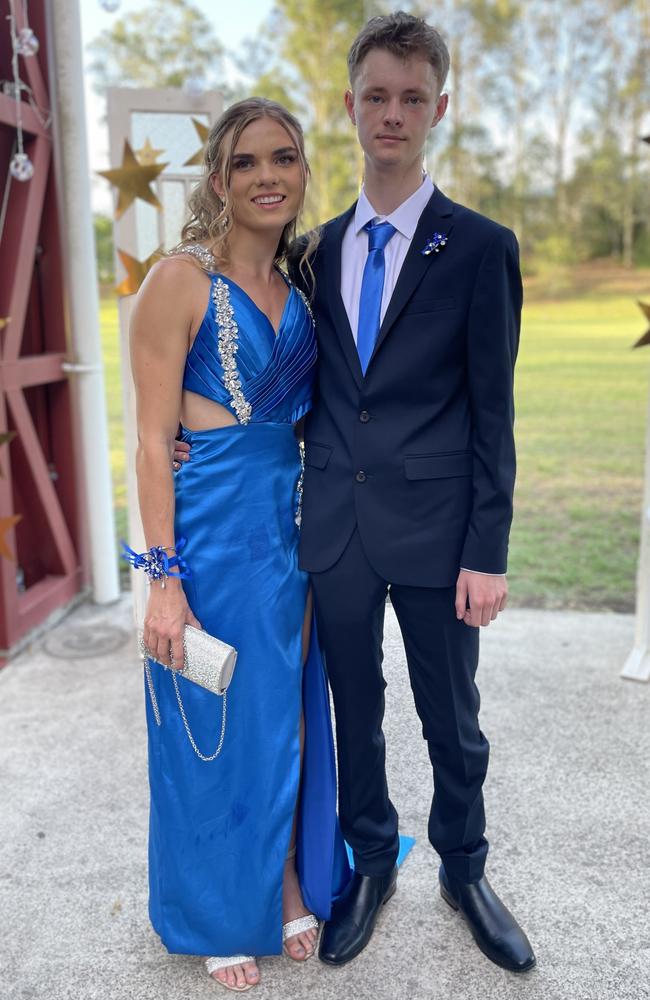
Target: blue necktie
{"points": [[372, 287]]}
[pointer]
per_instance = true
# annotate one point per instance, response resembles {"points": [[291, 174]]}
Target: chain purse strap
{"points": [[156, 711]]}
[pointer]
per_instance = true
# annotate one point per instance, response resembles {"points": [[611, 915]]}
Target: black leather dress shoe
{"points": [[354, 915], [493, 926]]}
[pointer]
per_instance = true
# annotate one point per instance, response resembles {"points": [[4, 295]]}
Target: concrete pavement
{"points": [[568, 802]]}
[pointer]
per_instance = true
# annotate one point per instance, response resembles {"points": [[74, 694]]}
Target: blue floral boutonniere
{"points": [[434, 244]]}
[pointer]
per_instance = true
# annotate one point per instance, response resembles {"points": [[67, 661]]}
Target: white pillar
{"points": [[637, 665], [71, 150]]}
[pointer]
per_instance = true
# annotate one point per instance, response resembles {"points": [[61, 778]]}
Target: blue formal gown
{"points": [[220, 831]]}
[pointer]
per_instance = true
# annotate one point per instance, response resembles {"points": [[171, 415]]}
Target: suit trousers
{"points": [[442, 658]]}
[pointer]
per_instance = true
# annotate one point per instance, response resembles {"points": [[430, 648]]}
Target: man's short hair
{"points": [[404, 36]]}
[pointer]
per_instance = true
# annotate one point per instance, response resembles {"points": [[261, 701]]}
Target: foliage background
{"points": [[549, 102]]}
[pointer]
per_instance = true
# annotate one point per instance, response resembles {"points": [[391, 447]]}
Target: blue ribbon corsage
{"points": [[156, 563], [434, 244]]}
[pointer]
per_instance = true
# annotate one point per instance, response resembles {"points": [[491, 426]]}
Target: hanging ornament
{"points": [[203, 132], [110, 6], [136, 271], [133, 180], [26, 43], [21, 167]]}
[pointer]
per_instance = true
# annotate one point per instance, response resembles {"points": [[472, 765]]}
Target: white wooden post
{"points": [[637, 665], [86, 366]]}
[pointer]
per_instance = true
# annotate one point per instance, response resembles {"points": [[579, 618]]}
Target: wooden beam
{"points": [[35, 458], [31, 122], [45, 596], [9, 632], [21, 234], [37, 370]]}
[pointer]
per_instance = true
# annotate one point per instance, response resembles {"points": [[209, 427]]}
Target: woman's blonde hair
{"points": [[211, 216]]}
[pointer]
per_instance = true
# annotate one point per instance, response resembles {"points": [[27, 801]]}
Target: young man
{"points": [[410, 468]]}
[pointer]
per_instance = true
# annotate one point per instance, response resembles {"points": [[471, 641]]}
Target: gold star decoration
{"points": [[5, 438], [136, 271], [645, 338], [203, 132], [133, 179], [5, 524], [147, 154], [4, 321]]}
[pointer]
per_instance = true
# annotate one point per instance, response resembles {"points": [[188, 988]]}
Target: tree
{"points": [[465, 156], [302, 49], [162, 45], [633, 66], [609, 190]]}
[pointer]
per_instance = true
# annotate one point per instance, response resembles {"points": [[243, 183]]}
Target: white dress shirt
{"points": [[354, 248], [354, 251]]}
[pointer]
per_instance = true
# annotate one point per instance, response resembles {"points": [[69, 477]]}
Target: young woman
{"points": [[244, 849]]}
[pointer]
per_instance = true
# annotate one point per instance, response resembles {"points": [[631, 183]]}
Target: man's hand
{"points": [[181, 453], [486, 595]]}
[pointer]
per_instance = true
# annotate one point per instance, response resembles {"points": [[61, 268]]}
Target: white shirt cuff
{"points": [[479, 572]]}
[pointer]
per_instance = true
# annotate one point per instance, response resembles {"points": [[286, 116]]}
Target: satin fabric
{"points": [[276, 372], [220, 831]]}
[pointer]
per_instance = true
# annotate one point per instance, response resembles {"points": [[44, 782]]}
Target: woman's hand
{"points": [[166, 617]]}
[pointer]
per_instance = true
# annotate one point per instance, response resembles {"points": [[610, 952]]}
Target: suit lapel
{"points": [[435, 218], [332, 291]]}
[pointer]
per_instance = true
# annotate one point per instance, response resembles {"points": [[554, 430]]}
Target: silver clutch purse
{"points": [[208, 662]]}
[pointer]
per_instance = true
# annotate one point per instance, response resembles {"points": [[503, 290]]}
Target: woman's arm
{"points": [[160, 330]]}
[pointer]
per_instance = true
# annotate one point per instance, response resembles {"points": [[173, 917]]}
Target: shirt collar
{"points": [[405, 217]]}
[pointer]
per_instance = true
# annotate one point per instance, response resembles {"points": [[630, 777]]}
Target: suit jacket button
{"points": [[364, 416], [361, 477]]}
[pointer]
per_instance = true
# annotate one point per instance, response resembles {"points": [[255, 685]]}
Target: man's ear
{"points": [[441, 108], [349, 106]]}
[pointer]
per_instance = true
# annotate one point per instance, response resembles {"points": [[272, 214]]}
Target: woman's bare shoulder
{"points": [[173, 278], [178, 267]]}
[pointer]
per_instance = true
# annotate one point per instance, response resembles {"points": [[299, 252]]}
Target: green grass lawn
{"points": [[582, 396], [581, 401], [111, 351]]}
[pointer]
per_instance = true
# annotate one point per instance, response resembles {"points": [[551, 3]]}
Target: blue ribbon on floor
{"points": [[406, 844]]}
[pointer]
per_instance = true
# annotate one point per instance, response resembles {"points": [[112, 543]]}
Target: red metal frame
{"points": [[39, 476]]}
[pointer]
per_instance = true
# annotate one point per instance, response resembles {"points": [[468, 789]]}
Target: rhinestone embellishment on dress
{"points": [[196, 250], [228, 347], [305, 300], [300, 486]]}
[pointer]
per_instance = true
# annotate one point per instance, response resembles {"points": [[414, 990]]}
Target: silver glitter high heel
{"points": [[212, 964], [298, 926]]}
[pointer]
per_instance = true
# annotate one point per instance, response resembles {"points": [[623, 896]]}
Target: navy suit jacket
{"points": [[418, 454]]}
